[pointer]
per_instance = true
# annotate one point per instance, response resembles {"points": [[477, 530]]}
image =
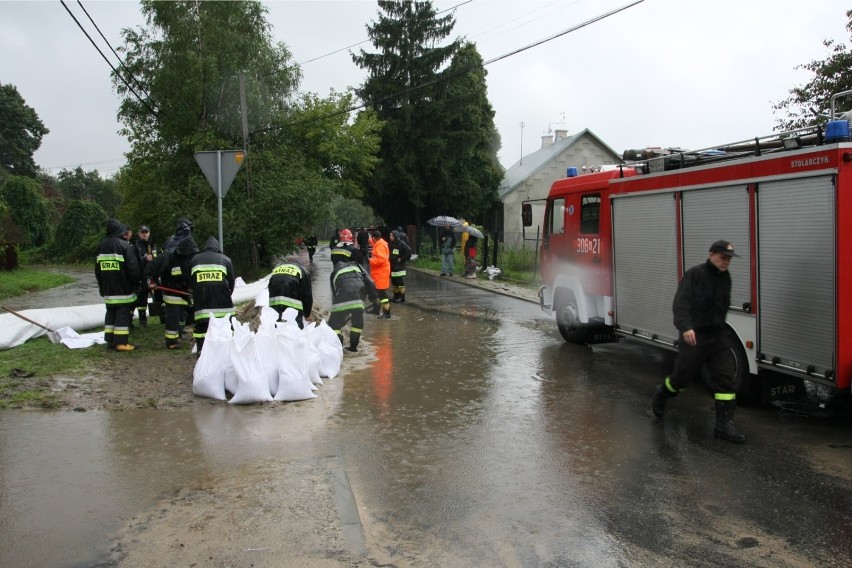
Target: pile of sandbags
{"points": [[279, 361]]}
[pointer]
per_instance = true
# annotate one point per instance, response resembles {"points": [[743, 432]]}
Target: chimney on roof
{"points": [[561, 133], [546, 140]]}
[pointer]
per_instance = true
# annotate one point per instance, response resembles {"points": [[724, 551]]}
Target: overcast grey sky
{"points": [[663, 73]]}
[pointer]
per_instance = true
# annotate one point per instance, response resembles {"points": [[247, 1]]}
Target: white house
{"points": [[531, 177]]}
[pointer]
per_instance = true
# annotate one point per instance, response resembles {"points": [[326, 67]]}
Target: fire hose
{"points": [[173, 291]]}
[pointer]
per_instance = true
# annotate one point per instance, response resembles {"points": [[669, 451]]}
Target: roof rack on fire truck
{"points": [[653, 160]]}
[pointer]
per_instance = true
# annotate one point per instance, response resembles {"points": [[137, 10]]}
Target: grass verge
{"points": [[25, 370], [24, 280]]}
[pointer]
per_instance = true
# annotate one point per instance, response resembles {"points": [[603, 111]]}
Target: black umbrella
{"points": [[443, 221]]}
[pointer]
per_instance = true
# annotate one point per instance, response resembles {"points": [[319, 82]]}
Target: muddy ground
{"points": [[147, 378]]}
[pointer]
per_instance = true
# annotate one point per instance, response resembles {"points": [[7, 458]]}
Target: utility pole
{"points": [[522, 143], [255, 260]]}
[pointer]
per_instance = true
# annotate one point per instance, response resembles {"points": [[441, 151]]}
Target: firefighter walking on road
{"points": [[400, 252], [700, 306], [350, 286], [118, 272], [212, 282]]}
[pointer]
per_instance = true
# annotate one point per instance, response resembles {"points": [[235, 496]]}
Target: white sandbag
{"points": [[248, 292], [262, 299], [208, 377], [293, 381], [252, 385], [289, 315], [330, 350], [267, 350], [312, 355]]}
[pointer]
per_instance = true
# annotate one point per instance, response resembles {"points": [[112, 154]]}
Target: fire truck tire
{"points": [[568, 320]]}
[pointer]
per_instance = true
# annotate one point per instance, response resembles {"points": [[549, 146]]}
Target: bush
{"points": [[28, 211], [79, 232]]}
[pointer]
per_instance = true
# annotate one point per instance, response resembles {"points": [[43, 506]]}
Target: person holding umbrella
{"points": [[448, 247]]}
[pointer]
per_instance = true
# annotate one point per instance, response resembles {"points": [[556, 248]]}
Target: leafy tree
{"points": [[29, 211], [89, 186], [21, 132], [344, 151], [187, 63], [831, 75], [352, 213], [403, 82], [79, 231]]}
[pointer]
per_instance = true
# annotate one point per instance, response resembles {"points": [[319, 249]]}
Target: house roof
{"points": [[530, 164]]}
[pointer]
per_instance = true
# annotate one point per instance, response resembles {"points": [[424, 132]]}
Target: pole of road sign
{"points": [[219, 193], [220, 167]]}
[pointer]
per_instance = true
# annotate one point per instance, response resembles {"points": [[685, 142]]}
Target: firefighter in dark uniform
{"points": [[311, 244], [212, 282], [345, 250], [118, 273], [171, 269], [350, 286], [147, 251], [183, 229], [700, 306], [290, 287], [400, 252], [363, 239]]}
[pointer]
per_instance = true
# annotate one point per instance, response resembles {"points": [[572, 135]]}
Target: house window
{"points": [[590, 214]]}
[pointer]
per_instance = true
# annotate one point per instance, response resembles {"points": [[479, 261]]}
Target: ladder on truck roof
{"points": [[676, 158]]}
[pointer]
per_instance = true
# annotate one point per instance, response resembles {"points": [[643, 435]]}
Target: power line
{"points": [[336, 51], [121, 62], [460, 72], [117, 74]]}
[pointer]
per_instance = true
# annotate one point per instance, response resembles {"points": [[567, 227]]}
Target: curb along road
{"points": [[497, 286]]}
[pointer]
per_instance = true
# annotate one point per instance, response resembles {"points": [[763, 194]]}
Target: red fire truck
{"points": [[615, 244]]}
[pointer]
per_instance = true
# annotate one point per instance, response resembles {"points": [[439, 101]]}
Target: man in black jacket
{"points": [[700, 306], [212, 282], [147, 251], [290, 287], [118, 273], [171, 269]]}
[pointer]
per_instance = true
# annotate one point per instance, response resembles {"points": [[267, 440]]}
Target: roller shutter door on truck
{"points": [[796, 252], [645, 253], [713, 214]]}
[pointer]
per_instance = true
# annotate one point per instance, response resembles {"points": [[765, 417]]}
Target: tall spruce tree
{"points": [[471, 172], [404, 82]]}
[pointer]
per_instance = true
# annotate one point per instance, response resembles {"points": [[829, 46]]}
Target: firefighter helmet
{"points": [[346, 236]]}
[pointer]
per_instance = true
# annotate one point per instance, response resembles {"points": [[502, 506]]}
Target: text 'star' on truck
{"points": [[616, 242]]}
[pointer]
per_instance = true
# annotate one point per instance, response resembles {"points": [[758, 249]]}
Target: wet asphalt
{"points": [[467, 433]]}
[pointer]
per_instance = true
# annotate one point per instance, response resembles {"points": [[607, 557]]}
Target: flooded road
{"points": [[471, 435]]}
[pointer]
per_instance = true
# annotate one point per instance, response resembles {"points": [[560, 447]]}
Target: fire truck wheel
{"points": [[568, 322]]}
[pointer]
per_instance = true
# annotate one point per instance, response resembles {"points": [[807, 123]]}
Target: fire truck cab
{"points": [[616, 243]]}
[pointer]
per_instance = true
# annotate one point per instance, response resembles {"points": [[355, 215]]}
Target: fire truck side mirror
{"points": [[526, 214]]}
